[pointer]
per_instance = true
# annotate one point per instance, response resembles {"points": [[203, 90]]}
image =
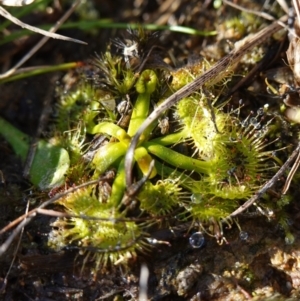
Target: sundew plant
{"points": [[199, 162]]}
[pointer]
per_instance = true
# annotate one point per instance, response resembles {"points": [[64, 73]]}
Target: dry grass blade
{"points": [[14, 255], [291, 175], [4, 13], [297, 8], [16, 2], [42, 41]]}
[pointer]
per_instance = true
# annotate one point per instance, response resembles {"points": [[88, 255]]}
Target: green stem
{"points": [[171, 138], [107, 155], [33, 71], [118, 186], [178, 160], [145, 85], [139, 113], [112, 130], [108, 23]]}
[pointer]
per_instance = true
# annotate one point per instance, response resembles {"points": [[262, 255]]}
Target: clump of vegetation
{"points": [[208, 159], [226, 159]]}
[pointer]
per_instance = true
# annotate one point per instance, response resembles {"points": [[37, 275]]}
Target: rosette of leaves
{"points": [[225, 164], [233, 156], [228, 161], [97, 229]]}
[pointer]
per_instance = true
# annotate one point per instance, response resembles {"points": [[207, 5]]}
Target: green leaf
{"points": [[50, 162]]}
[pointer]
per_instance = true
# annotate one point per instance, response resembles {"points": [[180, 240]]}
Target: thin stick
{"points": [[269, 184], [4, 13], [42, 41], [296, 7], [291, 175], [59, 214], [297, 161], [14, 255], [250, 11], [213, 74], [26, 218]]}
